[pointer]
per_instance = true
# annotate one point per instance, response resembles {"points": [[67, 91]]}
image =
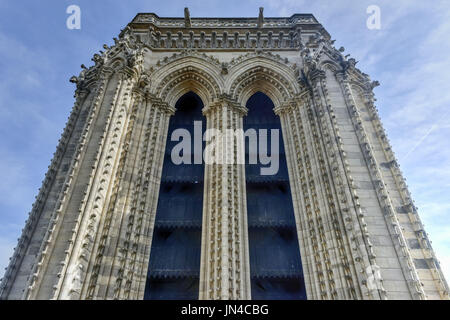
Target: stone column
{"points": [[326, 268], [225, 268], [135, 229], [292, 147], [80, 265], [335, 248]]}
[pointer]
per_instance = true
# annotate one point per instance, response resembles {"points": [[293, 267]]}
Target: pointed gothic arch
{"points": [[179, 75], [274, 78]]}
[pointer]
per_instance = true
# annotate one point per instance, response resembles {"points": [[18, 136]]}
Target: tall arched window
{"points": [[174, 266], [275, 265]]}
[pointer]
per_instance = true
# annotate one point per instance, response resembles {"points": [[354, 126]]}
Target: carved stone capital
{"points": [[285, 108], [341, 76], [316, 75], [225, 102], [160, 104]]}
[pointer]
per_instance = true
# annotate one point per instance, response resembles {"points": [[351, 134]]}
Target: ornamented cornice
{"points": [[225, 33], [160, 22]]}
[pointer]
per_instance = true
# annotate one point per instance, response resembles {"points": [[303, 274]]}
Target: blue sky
{"points": [[408, 55]]}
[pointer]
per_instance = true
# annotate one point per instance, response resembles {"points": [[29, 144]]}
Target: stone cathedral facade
{"points": [[116, 219]]}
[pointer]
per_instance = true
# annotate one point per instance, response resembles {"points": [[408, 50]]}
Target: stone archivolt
{"points": [[96, 244]]}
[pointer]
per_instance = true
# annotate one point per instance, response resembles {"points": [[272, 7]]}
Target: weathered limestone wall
{"points": [[394, 281], [89, 233]]}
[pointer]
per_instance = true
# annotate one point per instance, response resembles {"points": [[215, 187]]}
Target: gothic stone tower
{"points": [[115, 219]]}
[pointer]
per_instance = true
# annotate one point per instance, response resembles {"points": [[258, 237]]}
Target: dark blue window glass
{"points": [[275, 265], [174, 266]]}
